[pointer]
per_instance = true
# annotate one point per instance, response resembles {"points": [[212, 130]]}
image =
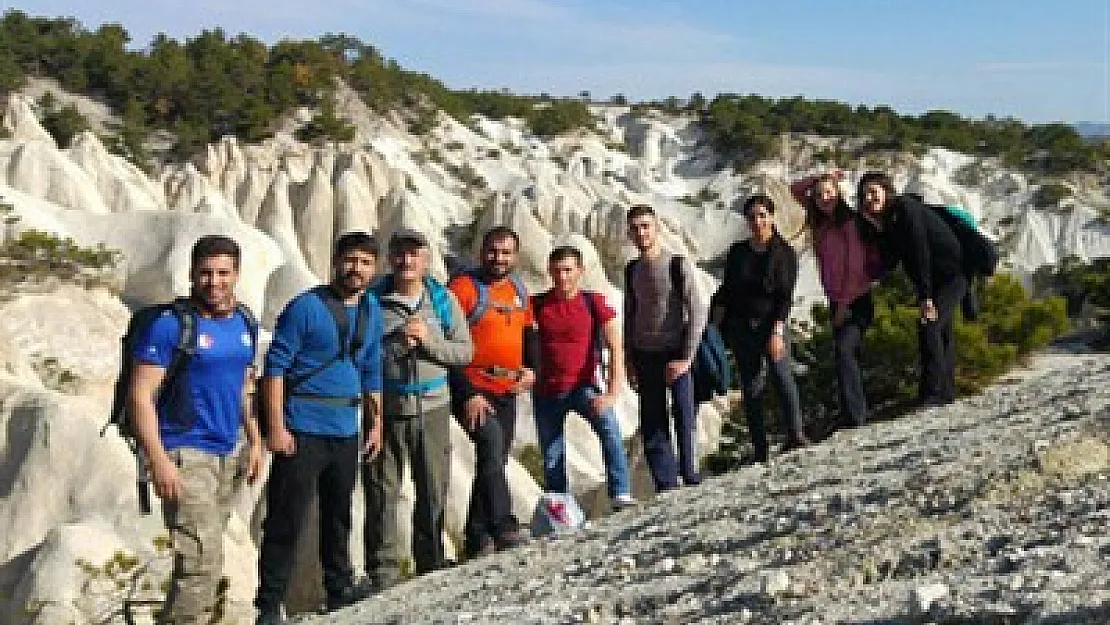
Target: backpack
{"points": [[557, 513], [980, 254], [597, 337], [437, 292], [482, 304], [174, 389], [347, 351], [711, 369]]}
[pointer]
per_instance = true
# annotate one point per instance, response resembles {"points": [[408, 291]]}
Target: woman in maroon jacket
{"points": [[847, 265]]}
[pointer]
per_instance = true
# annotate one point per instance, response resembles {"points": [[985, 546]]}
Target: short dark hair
{"points": [[564, 252], [361, 241], [497, 233], [211, 245], [639, 210], [875, 177], [759, 199]]}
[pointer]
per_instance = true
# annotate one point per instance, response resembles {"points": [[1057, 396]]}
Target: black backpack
{"points": [[174, 389], [711, 371], [980, 253]]}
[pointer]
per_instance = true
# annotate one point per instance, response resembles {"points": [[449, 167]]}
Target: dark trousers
{"points": [[655, 423], [937, 343], [749, 344], [490, 513], [425, 447], [849, 379], [327, 466]]}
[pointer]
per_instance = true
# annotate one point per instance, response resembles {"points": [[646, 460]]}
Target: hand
{"points": [[601, 403], [281, 441], [253, 468], [373, 443], [675, 369], [477, 410], [167, 481], [776, 347], [840, 315], [416, 331], [525, 382], [928, 310]]}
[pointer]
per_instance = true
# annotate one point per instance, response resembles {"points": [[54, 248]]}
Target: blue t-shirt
{"points": [[305, 337], [214, 376]]}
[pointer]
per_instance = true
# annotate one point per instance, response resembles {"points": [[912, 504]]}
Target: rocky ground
{"points": [[994, 510]]}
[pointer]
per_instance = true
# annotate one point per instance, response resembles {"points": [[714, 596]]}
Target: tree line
{"points": [[214, 84]]}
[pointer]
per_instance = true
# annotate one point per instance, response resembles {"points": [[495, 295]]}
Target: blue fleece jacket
{"points": [[305, 337]]}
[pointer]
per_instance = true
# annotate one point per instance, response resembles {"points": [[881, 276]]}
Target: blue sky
{"points": [[1035, 60]]}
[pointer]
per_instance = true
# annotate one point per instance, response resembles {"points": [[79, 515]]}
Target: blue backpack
{"points": [[440, 296]]}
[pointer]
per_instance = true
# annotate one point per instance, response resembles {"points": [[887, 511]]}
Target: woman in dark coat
{"points": [[911, 233], [753, 304]]}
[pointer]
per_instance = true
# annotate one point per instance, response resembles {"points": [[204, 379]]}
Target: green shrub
{"points": [[1010, 327], [531, 458], [63, 123], [1050, 195]]}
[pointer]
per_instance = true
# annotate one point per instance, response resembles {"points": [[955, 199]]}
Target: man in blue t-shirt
{"points": [[323, 367], [190, 447]]}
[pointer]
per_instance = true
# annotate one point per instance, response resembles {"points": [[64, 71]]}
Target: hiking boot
{"points": [[692, 480], [269, 616], [623, 502], [349, 595], [512, 538], [485, 547]]}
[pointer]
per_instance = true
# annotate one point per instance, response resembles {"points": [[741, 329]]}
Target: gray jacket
{"points": [[424, 366]]}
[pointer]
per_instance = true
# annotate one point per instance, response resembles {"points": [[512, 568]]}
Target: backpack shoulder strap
{"points": [[629, 292], [521, 290], [339, 314], [441, 303], [481, 301], [678, 278], [252, 326]]}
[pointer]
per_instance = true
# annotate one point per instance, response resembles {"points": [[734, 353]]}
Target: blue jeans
{"points": [[551, 416]]}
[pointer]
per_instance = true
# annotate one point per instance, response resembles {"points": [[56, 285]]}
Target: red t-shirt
{"points": [[567, 355]]}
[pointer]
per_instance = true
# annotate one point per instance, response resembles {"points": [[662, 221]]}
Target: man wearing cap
{"points": [[425, 333], [506, 355], [323, 367]]}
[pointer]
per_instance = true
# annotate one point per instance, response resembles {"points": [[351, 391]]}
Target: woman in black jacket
{"points": [[753, 303], [911, 233]]}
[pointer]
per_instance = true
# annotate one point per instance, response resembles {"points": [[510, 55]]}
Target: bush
{"points": [[1010, 327], [1050, 195], [63, 123]]}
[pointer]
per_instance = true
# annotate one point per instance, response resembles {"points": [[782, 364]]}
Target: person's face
{"points": [[214, 281], [354, 270], [643, 231], [762, 223], [409, 262], [566, 274], [874, 198], [826, 195], [499, 256]]}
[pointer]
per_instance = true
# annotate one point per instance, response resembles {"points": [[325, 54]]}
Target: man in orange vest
{"points": [[484, 393]]}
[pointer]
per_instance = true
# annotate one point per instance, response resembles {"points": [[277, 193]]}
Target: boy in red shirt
{"points": [[573, 326]]}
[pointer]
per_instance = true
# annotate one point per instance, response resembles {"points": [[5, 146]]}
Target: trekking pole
{"points": [[142, 478], [433, 512]]}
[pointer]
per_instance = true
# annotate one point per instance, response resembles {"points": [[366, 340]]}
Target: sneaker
{"points": [[795, 443], [349, 595], [623, 501], [513, 538], [692, 480]]}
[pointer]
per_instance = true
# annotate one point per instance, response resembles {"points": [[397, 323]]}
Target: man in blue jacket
{"points": [[323, 366]]}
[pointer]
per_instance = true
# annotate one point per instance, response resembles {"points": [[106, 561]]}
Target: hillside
{"points": [[993, 510]]}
